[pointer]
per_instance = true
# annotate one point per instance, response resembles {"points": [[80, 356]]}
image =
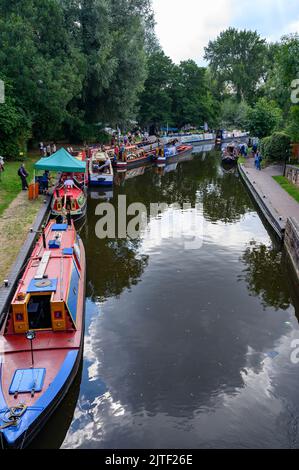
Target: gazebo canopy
{"points": [[61, 161]]}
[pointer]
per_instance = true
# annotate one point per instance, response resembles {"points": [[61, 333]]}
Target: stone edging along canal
{"points": [[6, 293], [277, 225], [288, 232]]}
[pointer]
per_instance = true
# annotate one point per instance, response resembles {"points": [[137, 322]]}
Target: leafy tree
{"points": [[285, 70], [264, 118], [38, 57], [189, 91], [234, 114], [156, 100], [293, 123], [237, 58], [276, 147], [14, 126]]}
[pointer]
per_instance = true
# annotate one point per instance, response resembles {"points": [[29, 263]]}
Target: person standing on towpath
{"points": [[23, 175]]}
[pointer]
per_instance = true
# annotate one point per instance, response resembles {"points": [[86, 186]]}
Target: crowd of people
{"points": [[46, 150], [255, 153]]}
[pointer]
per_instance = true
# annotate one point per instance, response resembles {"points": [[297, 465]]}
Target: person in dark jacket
{"points": [[23, 175]]}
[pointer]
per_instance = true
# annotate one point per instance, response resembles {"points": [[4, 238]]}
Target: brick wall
{"points": [[292, 173]]}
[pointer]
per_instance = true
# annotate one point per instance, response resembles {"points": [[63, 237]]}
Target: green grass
{"points": [[10, 183], [242, 160], [289, 187]]}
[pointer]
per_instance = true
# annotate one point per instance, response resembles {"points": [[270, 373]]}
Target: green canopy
{"points": [[61, 161]]}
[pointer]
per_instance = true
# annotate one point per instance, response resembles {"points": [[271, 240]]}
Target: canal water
{"points": [[190, 327]]}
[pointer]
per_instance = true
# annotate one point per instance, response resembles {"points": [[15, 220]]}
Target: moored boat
{"points": [[42, 335], [69, 197], [100, 169], [134, 156], [230, 154], [172, 151]]}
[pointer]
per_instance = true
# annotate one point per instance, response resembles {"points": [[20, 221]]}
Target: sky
{"points": [[184, 27]]}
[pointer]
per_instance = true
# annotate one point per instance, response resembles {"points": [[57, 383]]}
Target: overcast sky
{"points": [[184, 27]]}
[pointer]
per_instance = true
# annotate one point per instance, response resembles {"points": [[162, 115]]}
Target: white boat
{"points": [[100, 169]]}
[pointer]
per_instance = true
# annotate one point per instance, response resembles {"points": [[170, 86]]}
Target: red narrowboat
{"points": [[42, 336], [69, 197]]}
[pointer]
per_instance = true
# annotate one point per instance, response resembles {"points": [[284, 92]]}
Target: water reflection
{"points": [[266, 275], [177, 350]]}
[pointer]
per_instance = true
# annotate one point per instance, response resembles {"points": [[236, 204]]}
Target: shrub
{"points": [[277, 147], [264, 118]]}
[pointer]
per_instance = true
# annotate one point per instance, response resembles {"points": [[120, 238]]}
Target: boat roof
{"points": [[61, 161], [75, 192], [100, 156], [49, 269]]}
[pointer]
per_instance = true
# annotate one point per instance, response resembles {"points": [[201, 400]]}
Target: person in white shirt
{"points": [[69, 183]]}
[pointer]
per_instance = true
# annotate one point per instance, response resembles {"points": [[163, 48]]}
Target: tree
{"points": [[276, 147], [14, 125], [156, 100], [264, 118], [39, 59], [285, 70], [234, 114], [237, 58], [189, 92]]}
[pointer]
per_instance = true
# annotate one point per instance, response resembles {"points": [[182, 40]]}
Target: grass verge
{"points": [[15, 224], [10, 183], [289, 187]]}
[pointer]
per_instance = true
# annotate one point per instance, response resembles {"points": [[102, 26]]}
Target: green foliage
{"points": [[284, 71], [44, 67], [14, 126], [189, 94], [237, 58], [264, 118], [176, 94], [277, 147], [234, 114], [293, 123], [156, 100], [73, 64]]}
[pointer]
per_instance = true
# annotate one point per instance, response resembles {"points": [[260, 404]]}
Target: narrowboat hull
{"points": [[165, 159], [133, 163], [37, 413], [229, 160], [31, 433], [74, 214], [100, 180]]}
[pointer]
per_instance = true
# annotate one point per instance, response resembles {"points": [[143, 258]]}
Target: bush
{"points": [[293, 123], [277, 147], [264, 146], [264, 118]]}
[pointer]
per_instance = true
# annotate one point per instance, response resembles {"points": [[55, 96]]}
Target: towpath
{"points": [[279, 203]]}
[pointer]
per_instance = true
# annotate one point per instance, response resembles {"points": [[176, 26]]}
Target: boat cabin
{"points": [[47, 295], [100, 163]]}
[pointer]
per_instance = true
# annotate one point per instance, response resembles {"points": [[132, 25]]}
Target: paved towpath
{"points": [[279, 202]]}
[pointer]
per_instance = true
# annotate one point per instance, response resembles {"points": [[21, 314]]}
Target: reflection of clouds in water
{"points": [[174, 224], [236, 417], [92, 412], [235, 236]]}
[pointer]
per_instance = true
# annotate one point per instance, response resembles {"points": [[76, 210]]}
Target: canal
{"points": [[189, 331]]}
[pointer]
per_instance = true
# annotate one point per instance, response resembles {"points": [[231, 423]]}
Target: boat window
{"points": [[39, 312]]}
